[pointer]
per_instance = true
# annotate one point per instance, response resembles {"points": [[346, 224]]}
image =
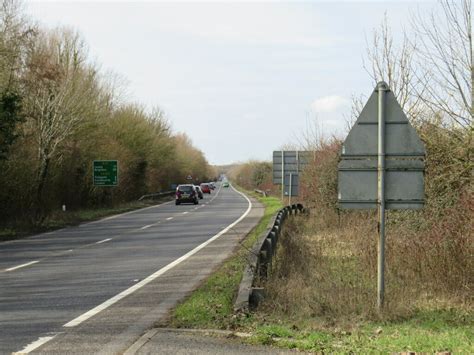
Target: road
{"points": [[55, 282]]}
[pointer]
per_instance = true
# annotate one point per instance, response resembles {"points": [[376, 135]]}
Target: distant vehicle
{"points": [[199, 192], [212, 185], [225, 184], [186, 193], [205, 188]]}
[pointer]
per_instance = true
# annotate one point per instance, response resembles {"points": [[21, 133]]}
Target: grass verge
{"points": [[211, 305], [428, 330]]}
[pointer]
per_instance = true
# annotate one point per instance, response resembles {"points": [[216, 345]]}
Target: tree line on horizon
{"points": [[59, 111]]}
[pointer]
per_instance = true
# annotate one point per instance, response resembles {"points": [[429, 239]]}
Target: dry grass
{"points": [[326, 268], [327, 265]]}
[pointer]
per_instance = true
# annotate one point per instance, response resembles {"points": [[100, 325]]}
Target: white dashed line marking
{"points": [[169, 218], [185, 212], [22, 265], [137, 286], [35, 345], [145, 227], [103, 241]]}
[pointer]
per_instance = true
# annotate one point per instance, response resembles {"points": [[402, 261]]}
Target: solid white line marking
{"points": [[34, 345], [158, 273], [103, 241], [22, 265], [169, 218], [145, 227]]}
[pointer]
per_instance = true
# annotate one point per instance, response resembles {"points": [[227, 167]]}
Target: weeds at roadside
{"points": [[319, 296], [211, 305]]}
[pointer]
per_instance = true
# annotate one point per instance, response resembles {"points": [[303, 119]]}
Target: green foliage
{"points": [[426, 332]]}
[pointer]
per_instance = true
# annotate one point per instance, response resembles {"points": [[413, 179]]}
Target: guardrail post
{"points": [[276, 229], [274, 239], [261, 260], [262, 264]]}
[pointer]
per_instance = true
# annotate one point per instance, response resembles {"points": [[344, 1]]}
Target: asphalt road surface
{"points": [[57, 281]]}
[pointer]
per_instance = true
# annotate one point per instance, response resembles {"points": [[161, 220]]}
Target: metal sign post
{"points": [[381, 166], [290, 189], [282, 175], [381, 88]]}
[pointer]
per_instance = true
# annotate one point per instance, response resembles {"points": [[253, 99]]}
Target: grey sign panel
{"points": [[285, 162], [401, 138], [358, 189], [404, 166], [291, 186]]}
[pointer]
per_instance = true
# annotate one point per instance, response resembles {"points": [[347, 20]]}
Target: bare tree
{"points": [[394, 64], [445, 55], [15, 34], [60, 91], [312, 137]]}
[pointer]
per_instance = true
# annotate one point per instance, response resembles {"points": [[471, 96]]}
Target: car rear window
{"points": [[185, 188]]}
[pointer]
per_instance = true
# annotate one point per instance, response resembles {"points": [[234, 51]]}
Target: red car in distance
{"points": [[205, 189]]}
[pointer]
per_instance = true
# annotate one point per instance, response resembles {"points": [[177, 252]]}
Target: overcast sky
{"points": [[240, 78]]}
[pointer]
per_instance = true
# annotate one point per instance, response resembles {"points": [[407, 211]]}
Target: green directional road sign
{"points": [[105, 172]]}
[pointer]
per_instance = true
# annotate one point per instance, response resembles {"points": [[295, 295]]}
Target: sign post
{"points": [[291, 190], [282, 175], [381, 195], [381, 166]]}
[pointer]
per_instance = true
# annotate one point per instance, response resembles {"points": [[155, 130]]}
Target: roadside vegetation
{"points": [[58, 112], [321, 295], [253, 175], [211, 305]]}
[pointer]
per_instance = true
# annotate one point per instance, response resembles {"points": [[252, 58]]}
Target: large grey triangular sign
{"points": [[404, 165]]}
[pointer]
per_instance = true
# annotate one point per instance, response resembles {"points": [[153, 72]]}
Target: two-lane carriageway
{"points": [[58, 280]]}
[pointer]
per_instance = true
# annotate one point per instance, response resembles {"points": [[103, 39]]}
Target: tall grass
{"points": [[326, 266]]}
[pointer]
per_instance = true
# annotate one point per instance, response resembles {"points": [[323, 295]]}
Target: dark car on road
{"points": [[205, 188], [186, 193]]}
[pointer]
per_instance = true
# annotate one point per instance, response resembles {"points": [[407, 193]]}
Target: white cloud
{"points": [[328, 104]]}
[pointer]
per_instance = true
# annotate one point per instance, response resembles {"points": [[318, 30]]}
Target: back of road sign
{"points": [[288, 162], [404, 165], [291, 186]]}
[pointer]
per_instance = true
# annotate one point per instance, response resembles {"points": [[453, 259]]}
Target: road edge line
{"points": [[85, 316]]}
